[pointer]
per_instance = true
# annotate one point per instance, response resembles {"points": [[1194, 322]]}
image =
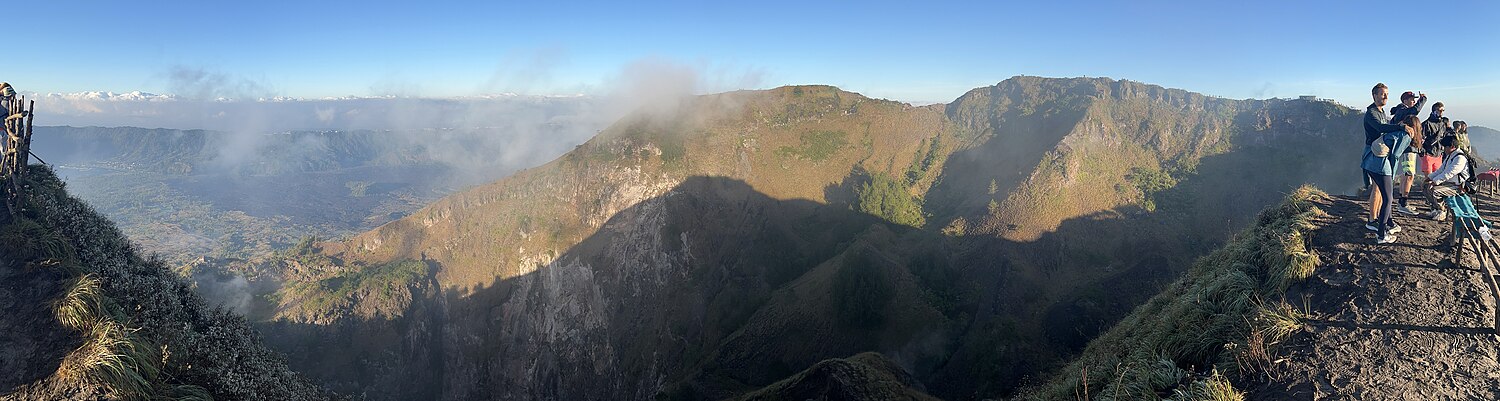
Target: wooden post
{"points": [[1488, 261], [24, 153]]}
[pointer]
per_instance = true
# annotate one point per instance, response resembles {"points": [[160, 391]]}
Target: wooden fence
{"points": [[15, 151]]}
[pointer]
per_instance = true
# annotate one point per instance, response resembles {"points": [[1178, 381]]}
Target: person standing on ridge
{"points": [[1436, 126], [1447, 181], [1461, 131], [1379, 164], [6, 94], [1376, 123], [1411, 105]]}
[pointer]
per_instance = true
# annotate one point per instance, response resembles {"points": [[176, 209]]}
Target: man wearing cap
{"points": [[1411, 105]]}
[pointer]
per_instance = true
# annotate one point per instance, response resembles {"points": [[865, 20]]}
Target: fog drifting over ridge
{"points": [[478, 136]]}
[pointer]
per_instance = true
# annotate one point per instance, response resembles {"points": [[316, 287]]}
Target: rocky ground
{"points": [[32, 342], [1399, 321]]}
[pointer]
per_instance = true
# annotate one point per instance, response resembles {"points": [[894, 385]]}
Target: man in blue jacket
{"points": [[1376, 122]]}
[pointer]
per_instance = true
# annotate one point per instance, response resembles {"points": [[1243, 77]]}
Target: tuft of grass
{"points": [[1299, 265], [188, 392], [1212, 388], [1278, 321], [28, 242], [83, 304], [112, 357]]}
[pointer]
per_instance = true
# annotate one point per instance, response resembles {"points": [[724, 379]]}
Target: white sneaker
{"points": [[1403, 209], [1389, 238], [1394, 229], [1438, 215]]}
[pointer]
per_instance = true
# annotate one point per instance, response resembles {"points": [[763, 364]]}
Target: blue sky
{"points": [[911, 51]]}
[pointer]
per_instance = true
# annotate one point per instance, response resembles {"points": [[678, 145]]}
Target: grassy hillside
{"points": [[1217, 319], [131, 328]]}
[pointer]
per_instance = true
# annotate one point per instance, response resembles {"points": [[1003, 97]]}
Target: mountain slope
{"points": [[88, 318], [724, 246], [1305, 306]]}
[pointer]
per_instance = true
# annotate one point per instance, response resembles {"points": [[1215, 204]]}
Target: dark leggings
{"points": [[1382, 184]]}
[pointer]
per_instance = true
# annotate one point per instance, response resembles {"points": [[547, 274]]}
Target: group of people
{"points": [[1401, 143]]}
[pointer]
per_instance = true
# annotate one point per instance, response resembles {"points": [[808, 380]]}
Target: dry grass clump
{"points": [[112, 357], [82, 304], [1277, 322], [1212, 388]]}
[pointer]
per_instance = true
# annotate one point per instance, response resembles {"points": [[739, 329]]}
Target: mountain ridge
{"points": [[1003, 303]]}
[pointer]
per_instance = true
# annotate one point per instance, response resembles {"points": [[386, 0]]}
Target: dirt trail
{"points": [[1388, 322]]}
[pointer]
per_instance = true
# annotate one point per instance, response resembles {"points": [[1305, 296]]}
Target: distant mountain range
{"points": [[711, 250], [1486, 142]]}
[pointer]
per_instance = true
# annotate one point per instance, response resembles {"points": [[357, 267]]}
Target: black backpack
{"points": [[1467, 185]]}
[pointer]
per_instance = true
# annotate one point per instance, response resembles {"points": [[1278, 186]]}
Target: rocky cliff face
{"points": [[716, 250]]}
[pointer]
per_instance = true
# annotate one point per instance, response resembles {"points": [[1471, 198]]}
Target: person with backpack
{"points": [[1379, 164], [1453, 178], [1376, 123], [1410, 106]]}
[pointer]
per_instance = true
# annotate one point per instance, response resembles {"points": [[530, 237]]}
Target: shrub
{"points": [[885, 197]]}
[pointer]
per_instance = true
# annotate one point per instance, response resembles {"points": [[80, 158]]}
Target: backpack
{"points": [[1467, 185]]}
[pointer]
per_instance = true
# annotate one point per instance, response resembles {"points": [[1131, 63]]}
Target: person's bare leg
{"points": [[1374, 204]]}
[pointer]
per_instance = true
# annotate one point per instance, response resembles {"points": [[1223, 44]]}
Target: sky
{"points": [[920, 52]]}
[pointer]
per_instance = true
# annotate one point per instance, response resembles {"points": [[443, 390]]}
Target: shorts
{"points": [[1431, 164], [1409, 164]]}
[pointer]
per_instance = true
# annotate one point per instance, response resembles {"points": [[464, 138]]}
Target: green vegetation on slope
{"points": [[885, 197], [385, 285], [816, 145], [1211, 322]]}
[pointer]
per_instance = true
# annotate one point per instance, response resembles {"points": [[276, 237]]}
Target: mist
{"points": [[481, 137]]}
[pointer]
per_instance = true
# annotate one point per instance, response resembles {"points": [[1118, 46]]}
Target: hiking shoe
{"points": [[1438, 215], [1394, 229], [1403, 209], [1389, 238]]}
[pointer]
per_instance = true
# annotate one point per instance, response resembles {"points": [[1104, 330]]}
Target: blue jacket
{"points": [[1398, 141]]}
